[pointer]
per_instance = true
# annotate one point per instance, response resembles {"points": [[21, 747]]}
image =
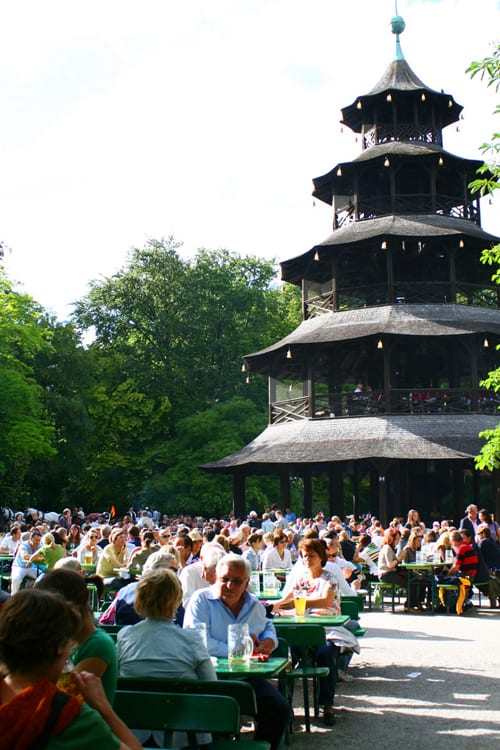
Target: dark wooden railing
{"points": [[408, 203], [373, 403], [403, 131], [403, 293]]}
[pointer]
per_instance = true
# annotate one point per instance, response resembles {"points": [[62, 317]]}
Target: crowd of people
{"points": [[170, 578]]}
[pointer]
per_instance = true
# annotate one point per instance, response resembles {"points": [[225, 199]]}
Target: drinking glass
{"points": [[239, 645]]}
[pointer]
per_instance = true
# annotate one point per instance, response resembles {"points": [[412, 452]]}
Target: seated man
{"points": [[491, 555], [463, 570], [200, 574], [226, 602]]}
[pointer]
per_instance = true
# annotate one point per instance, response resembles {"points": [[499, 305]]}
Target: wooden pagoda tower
{"points": [[396, 300]]}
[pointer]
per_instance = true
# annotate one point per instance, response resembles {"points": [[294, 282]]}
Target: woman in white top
{"points": [[277, 557]]}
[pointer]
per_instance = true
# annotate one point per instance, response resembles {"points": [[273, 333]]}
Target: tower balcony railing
{"points": [[395, 401], [403, 131], [403, 293], [408, 203]]}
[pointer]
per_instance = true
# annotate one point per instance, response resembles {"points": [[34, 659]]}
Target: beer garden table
{"points": [[423, 572], [254, 668]]}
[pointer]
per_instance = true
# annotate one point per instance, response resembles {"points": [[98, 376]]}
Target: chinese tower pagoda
{"points": [[380, 382]]}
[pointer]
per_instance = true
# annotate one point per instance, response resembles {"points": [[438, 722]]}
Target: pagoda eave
{"points": [[395, 320], [410, 438]]}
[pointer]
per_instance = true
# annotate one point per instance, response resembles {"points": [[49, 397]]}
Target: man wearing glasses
{"points": [[227, 602]]}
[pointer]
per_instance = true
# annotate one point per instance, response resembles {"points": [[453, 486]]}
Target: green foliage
{"points": [[207, 436], [26, 433], [65, 373], [170, 334], [489, 69], [107, 423]]}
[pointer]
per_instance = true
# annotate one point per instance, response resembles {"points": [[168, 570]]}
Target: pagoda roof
{"points": [[397, 320], [329, 184], [398, 78], [418, 226], [413, 437]]}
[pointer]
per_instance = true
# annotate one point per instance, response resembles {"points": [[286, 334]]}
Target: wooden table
{"points": [[255, 668], [415, 571]]}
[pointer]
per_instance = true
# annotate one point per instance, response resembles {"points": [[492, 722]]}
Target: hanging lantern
{"points": [[316, 255], [289, 353], [387, 163], [486, 343], [380, 344], [388, 98]]}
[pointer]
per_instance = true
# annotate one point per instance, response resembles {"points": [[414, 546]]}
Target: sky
{"points": [[128, 120]]}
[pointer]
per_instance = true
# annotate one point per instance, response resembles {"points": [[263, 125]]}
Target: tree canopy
{"points": [[170, 334], [488, 182]]}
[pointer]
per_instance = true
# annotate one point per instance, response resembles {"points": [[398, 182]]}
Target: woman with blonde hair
{"points": [[156, 647]]}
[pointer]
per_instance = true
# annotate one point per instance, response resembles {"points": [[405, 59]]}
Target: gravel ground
{"points": [[420, 681]]}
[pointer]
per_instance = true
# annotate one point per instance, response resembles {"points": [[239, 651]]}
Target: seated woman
{"points": [[143, 551], [177, 653], [388, 561], [89, 551], [419, 586], [95, 650], [33, 713], [49, 553], [321, 593], [277, 557], [114, 558], [255, 546]]}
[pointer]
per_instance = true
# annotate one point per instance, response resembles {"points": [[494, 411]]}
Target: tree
{"points": [[26, 432], [66, 373], [170, 334], [487, 183], [207, 436]]}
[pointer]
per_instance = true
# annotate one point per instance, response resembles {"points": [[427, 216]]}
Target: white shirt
{"points": [[298, 571], [191, 580], [272, 561]]}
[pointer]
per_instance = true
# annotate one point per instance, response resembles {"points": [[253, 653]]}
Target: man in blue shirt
{"points": [[227, 602]]}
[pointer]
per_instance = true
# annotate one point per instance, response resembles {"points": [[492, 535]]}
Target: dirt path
{"points": [[421, 681]]}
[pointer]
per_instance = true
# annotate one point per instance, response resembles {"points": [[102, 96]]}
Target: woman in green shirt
{"points": [[95, 651]]}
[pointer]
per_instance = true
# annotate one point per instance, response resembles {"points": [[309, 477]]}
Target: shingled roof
{"points": [[332, 182], [401, 320], [415, 437]]}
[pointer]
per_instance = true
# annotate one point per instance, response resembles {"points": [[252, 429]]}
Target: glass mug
{"points": [[299, 600], [239, 645]]}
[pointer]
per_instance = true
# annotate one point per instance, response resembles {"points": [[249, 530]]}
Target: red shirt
{"points": [[466, 559]]}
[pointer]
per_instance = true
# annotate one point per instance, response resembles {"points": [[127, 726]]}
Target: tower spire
{"points": [[397, 27]]}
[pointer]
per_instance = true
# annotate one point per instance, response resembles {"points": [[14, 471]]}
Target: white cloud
{"points": [[121, 121]]}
